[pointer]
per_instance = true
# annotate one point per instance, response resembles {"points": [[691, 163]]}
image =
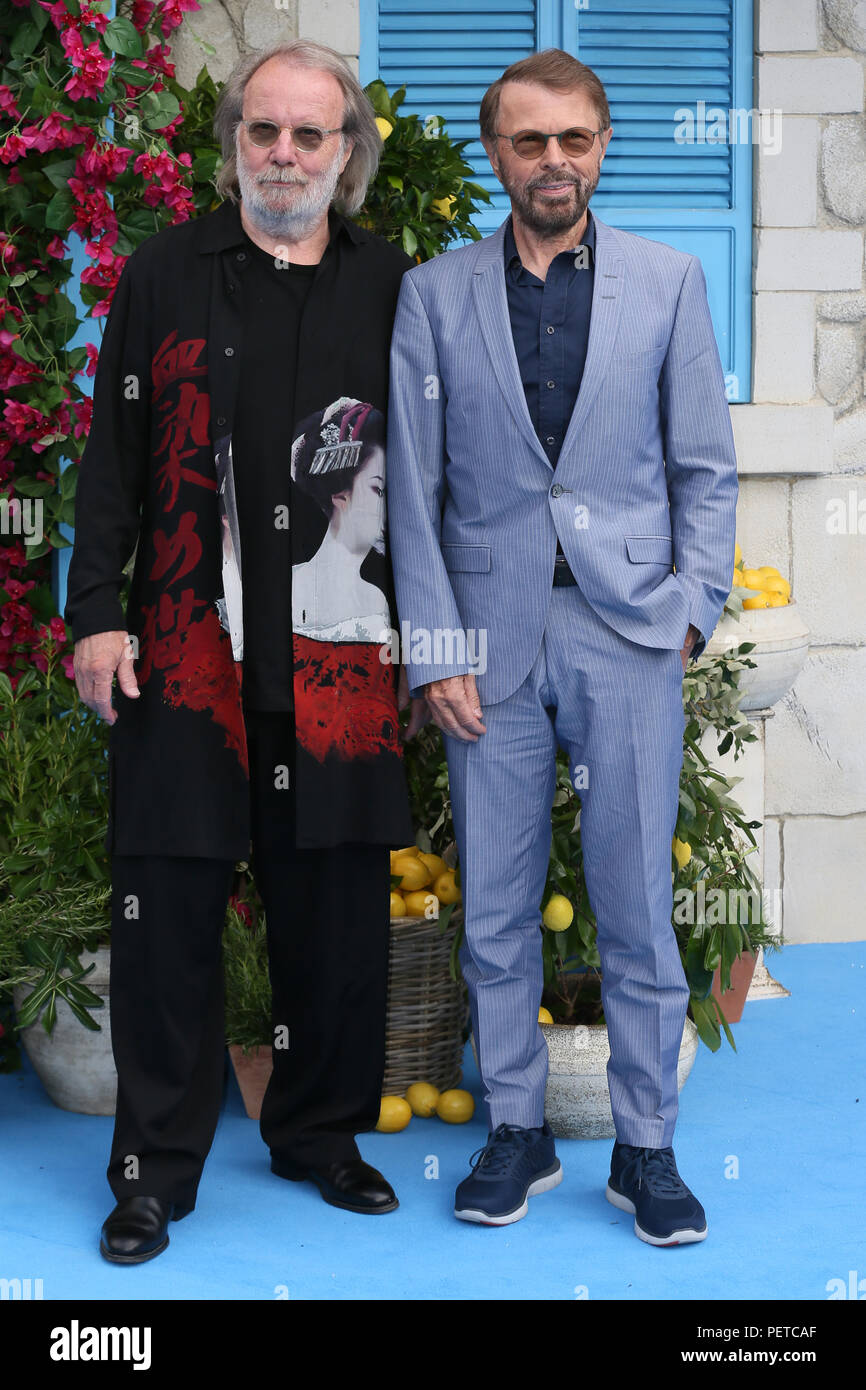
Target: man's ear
{"points": [[605, 139], [350, 145], [490, 151]]}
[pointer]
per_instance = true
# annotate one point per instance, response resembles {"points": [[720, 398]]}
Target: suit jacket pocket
{"points": [[465, 557], [656, 550]]}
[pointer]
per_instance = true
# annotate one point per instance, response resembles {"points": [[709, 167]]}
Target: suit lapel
{"points": [[491, 305]]}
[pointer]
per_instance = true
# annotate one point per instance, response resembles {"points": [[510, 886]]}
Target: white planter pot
{"points": [[74, 1064], [781, 646], [577, 1099]]}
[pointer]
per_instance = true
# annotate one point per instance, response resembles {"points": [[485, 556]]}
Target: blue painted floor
{"points": [[787, 1111]]}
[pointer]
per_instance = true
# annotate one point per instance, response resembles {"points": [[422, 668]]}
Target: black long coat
{"points": [[164, 397]]}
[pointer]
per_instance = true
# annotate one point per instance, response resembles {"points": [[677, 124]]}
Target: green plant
{"points": [[247, 984], [421, 196], [710, 823], [55, 878]]}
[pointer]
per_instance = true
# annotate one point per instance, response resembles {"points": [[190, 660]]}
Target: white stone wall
{"points": [[801, 444]]}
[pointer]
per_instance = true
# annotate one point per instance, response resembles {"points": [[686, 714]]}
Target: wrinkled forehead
{"points": [[288, 93]]}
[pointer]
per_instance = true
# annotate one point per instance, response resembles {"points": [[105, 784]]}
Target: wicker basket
{"points": [[427, 1010]]}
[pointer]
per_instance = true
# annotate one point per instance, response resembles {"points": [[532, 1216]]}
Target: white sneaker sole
{"points": [[542, 1184], [685, 1237]]}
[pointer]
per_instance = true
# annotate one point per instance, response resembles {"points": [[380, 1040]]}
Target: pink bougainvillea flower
{"points": [[92, 64], [13, 147], [7, 102], [171, 13], [56, 248], [141, 12]]}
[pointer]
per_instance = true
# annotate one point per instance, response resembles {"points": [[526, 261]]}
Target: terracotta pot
{"points": [[253, 1072], [731, 1002]]}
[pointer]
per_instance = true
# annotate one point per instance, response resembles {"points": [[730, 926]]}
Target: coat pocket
{"points": [[656, 550], [465, 557]]}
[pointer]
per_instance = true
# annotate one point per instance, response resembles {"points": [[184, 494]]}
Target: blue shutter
{"points": [[654, 59]]}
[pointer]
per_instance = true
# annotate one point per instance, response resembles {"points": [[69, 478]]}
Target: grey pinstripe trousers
{"points": [[616, 708]]}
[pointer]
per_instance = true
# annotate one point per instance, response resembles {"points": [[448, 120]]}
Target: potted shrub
{"points": [[55, 886], [247, 995]]}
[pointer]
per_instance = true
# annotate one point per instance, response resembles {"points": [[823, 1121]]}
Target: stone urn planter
{"points": [[577, 1099], [74, 1064], [781, 646]]}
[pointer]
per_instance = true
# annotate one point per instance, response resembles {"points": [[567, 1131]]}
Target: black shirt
{"points": [[273, 300]]}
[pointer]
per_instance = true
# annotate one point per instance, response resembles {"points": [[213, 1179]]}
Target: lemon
{"points": [[559, 913], [738, 580], [682, 851], [752, 579], [738, 555], [768, 569], [544, 1015], [775, 600], [759, 600], [775, 584], [394, 1114], [444, 207], [422, 1098], [398, 905], [435, 863], [384, 127], [455, 1107], [422, 903], [446, 888], [411, 871]]}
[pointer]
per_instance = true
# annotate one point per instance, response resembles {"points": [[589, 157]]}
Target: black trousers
{"points": [[327, 920]]}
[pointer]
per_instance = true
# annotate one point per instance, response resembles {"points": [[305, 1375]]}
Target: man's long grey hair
{"points": [[359, 119]]}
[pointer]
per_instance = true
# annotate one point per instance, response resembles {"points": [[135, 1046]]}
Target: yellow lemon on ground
{"points": [[775, 600], [544, 1015], [738, 554], [455, 1107], [446, 888], [757, 601], [444, 206], [435, 863], [422, 1098], [559, 913], [394, 1114], [384, 127], [682, 851], [412, 872], [398, 905], [422, 903], [752, 579]]}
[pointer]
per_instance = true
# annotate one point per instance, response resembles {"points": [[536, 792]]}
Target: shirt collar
{"points": [[222, 229], [510, 246]]}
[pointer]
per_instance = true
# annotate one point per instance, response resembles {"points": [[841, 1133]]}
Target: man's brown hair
{"points": [[551, 68]]}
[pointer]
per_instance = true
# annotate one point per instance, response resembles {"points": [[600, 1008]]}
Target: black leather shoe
{"points": [[136, 1230], [349, 1183]]}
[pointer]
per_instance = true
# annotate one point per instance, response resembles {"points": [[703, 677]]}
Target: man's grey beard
{"points": [[556, 218], [311, 197]]}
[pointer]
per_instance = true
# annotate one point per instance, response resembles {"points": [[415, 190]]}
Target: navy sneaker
{"points": [[514, 1165], [646, 1182]]}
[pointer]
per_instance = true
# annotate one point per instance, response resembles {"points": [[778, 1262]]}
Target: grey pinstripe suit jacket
{"points": [[646, 479]]}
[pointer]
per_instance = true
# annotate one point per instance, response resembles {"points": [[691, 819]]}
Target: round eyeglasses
{"points": [[530, 144], [306, 138]]}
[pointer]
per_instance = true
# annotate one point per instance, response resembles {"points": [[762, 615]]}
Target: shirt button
{"points": [[230, 352], [230, 288], [551, 330], [241, 256], [551, 385], [551, 439], [557, 490]]}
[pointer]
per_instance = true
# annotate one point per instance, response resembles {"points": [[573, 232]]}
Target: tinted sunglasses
{"points": [[529, 144], [306, 138]]}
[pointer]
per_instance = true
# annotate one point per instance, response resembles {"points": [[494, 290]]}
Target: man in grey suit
{"points": [[562, 489]]}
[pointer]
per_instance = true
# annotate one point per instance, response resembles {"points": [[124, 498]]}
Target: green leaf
{"points": [[25, 40], [159, 109], [59, 172], [59, 212], [121, 36], [410, 241]]}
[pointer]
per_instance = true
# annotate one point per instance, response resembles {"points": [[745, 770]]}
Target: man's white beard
{"points": [[311, 197]]}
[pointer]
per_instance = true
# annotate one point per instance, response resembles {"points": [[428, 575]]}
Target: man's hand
{"points": [[420, 712], [455, 707], [691, 638], [95, 661]]}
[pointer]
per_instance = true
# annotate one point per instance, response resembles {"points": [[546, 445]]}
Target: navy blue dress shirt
{"points": [[550, 327]]}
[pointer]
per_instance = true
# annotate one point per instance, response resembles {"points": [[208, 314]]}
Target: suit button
{"points": [[221, 419], [230, 352], [557, 490], [241, 256]]}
